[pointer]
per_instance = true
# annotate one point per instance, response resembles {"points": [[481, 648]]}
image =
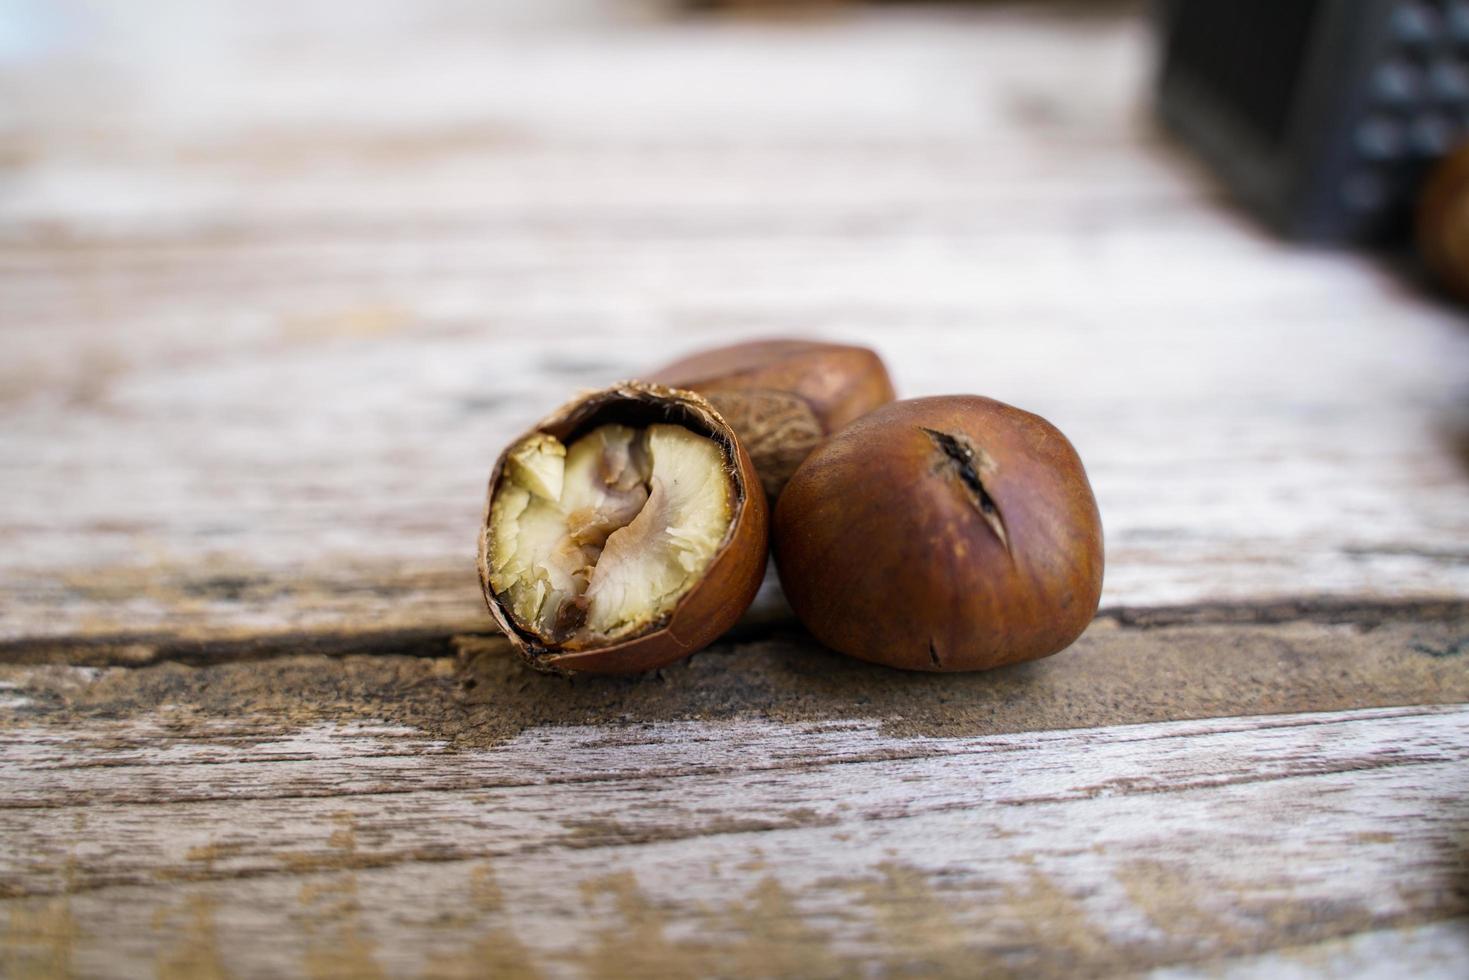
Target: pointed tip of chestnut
{"points": [[942, 534], [546, 600], [783, 396]]}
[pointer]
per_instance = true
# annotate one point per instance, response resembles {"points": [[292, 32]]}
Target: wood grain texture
{"points": [[766, 809], [275, 290], [742, 848], [267, 331]]}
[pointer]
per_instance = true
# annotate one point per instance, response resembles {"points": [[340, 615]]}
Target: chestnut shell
{"points": [[942, 534], [783, 397], [727, 587], [1442, 228]]}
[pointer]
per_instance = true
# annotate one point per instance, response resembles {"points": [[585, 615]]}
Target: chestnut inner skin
{"points": [[639, 414]]}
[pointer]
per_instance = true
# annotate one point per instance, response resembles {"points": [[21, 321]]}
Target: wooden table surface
{"points": [[278, 281]]}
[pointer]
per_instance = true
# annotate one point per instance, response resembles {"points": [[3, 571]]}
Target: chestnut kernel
{"points": [[623, 532], [942, 534], [783, 397]]}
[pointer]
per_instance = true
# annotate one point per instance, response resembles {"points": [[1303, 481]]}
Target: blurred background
{"points": [[278, 280]]}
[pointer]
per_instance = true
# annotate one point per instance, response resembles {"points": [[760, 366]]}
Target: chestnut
{"points": [[783, 397], [623, 532], [942, 534], [1442, 224]]}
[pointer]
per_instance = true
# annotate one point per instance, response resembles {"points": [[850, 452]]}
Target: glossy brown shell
{"points": [[715, 602], [1443, 222], [887, 554], [783, 397]]}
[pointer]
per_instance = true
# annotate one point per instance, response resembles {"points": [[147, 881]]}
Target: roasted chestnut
{"points": [[949, 533], [623, 532], [783, 396]]}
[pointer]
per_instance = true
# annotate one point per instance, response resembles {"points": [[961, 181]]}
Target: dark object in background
{"points": [[1323, 116], [1443, 223]]}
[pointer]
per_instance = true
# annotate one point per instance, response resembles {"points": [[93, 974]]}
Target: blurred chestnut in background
{"points": [[942, 534], [1443, 222], [783, 397], [623, 532]]}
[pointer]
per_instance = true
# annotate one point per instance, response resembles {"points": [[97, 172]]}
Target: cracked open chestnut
{"points": [[942, 534], [623, 532], [783, 397]]}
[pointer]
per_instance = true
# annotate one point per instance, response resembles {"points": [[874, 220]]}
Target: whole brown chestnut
{"points": [[1442, 227], [948, 533], [783, 396], [623, 532]]}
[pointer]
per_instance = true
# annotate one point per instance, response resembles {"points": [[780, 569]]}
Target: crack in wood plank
{"points": [[1128, 787], [481, 696], [771, 618]]}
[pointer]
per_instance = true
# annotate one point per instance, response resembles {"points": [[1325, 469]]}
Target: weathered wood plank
{"points": [[1440, 949], [743, 848], [764, 809], [264, 331], [262, 354], [1116, 674]]}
